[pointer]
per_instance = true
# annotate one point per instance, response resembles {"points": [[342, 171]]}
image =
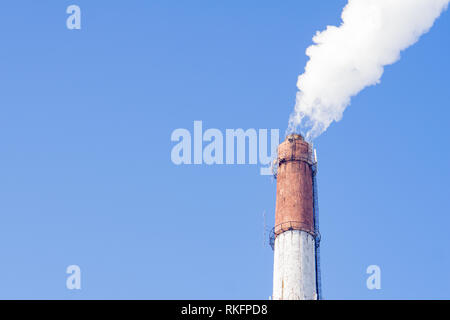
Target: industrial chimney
{"points": [[295, 237]]}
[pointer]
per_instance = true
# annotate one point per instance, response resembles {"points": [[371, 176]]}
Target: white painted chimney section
{"points": [[294, 276]]}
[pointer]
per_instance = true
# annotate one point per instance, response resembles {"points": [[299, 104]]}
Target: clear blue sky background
{"points": [[86, 175]]}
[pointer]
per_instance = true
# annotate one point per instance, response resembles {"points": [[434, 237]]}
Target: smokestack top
{"points": [[294, 148], [294, 136]]}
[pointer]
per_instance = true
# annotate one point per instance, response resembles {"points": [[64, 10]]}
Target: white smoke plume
{"points": [[346, 59]]}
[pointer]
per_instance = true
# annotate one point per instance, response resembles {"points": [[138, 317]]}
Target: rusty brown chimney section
{"points": [[294, 204]]}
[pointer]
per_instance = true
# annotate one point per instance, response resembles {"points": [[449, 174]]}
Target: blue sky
{"points": [[85, 123]]}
